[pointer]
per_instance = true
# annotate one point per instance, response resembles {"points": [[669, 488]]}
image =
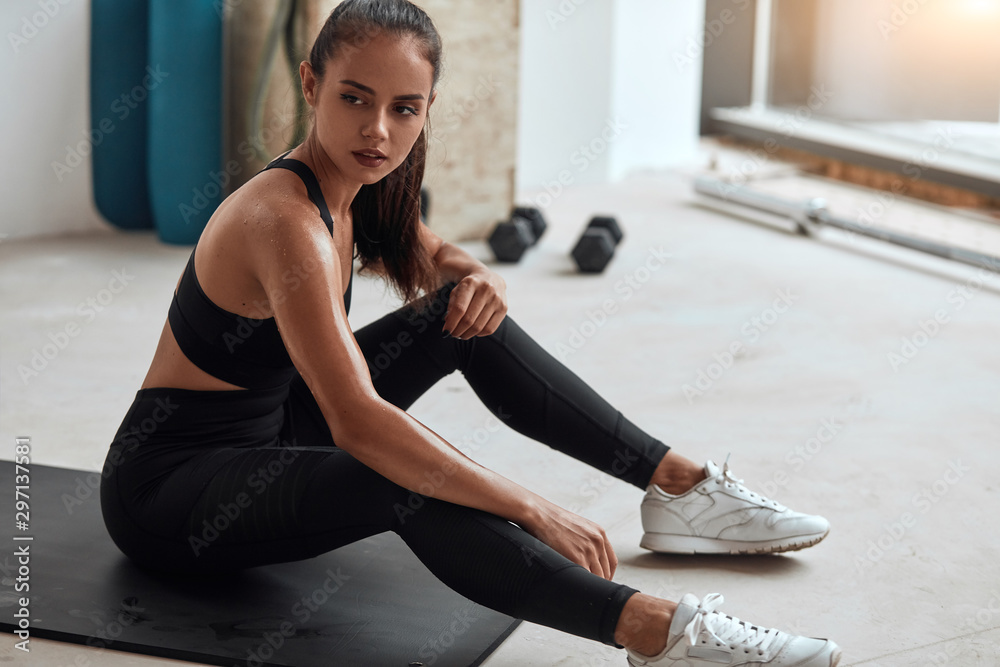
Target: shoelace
{"points": [[726, 477], [727, 629]]}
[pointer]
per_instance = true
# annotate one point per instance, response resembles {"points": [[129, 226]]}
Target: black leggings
{"points": [[265, 460]]}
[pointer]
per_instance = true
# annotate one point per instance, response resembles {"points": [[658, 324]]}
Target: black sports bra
{"points": [[244, 351]]}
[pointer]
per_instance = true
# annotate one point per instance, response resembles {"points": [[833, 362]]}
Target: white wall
{"points": [[603, 73], [45, 109], [656, 83], [565, 87]]}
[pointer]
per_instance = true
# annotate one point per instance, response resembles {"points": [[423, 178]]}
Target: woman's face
{"points": [[371, 105]]}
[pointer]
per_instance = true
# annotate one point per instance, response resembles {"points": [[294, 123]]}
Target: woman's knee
{"points": [[429, 310]]}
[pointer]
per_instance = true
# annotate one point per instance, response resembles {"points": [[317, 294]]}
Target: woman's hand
{"points": [[478, 302], [477, 306], [578, 539]]}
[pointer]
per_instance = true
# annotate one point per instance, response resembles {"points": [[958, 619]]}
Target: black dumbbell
{"points": [[511, 238], [534, 216], [596, 246]]}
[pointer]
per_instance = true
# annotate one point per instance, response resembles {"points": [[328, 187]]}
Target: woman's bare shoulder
{"points": [[267, 228], [271, 211]]}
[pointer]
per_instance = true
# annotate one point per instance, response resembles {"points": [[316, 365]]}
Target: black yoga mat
{"points": [[370, 603]]}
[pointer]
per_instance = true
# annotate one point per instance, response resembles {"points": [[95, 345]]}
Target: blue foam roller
{"points": [[185, 116], [118, 97]]}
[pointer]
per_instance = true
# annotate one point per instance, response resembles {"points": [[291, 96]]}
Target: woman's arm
{"points": [[479, 301], [316, 332]]}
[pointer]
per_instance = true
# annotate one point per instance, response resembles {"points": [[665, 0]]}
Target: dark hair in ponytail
{"points": [[387, 213]]}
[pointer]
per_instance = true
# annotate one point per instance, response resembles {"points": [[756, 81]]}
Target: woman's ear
{"points": [[308, 82], [434, 95]]}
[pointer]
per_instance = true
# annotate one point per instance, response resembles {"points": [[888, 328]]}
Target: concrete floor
{"points": [[854, 403]]}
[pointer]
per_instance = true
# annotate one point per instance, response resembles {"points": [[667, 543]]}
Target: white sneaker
{"points": [[720, 516], [699, 636]]}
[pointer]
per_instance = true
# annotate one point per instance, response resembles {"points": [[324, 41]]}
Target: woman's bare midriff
{"points": [[170, 368]]}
